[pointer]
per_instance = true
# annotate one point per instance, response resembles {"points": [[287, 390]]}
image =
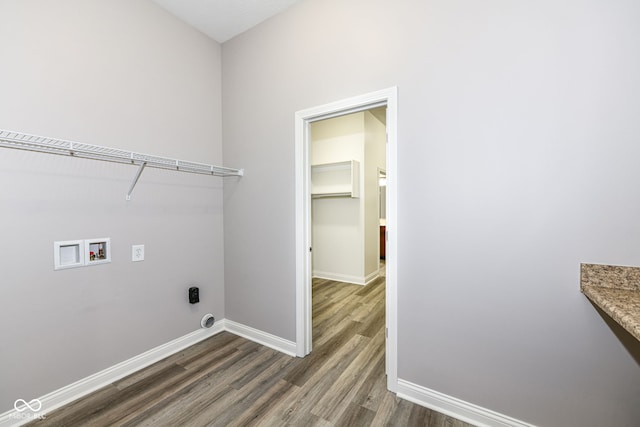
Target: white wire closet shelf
{"points": [[21, 141]]}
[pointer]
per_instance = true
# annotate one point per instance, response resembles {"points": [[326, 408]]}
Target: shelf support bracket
{"points": [[135, 179]]}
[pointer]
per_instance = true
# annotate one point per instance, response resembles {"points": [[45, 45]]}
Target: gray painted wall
{"points": [[518, 159], [118, 73]]}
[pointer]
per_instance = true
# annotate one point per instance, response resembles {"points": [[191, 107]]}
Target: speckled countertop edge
{"points": [[610, 276], [623, 305]]}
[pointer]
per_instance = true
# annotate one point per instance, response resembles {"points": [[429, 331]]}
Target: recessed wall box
{"points": [[68, 254], [97, 251]]}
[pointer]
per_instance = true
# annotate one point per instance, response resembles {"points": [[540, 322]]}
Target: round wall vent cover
{"points": [[207, 321]]}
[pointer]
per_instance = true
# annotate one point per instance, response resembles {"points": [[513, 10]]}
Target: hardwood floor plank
{"points": [[373, 323], [335, 401], [290, 411], [256, 396], [320, 382], [419, 416], [384, 410], [271, 358], [225, 345], [373, 389], [322, 354], [401, 414], [82, 409], [356, 416], [140, 396], [184, 405], [137, 377]]}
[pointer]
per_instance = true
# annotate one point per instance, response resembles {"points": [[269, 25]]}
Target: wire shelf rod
{"points": [[42, 144]]}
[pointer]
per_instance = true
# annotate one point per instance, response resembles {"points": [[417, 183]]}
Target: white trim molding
{"points": [[260, 337], [385, 97], [464, 411], [356, 280]]}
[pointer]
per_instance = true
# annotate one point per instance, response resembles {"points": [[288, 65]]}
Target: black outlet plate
{"points": [[194, 295]]}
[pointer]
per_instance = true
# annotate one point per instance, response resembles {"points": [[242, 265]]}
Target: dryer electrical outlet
{"points": [[194, 295]]}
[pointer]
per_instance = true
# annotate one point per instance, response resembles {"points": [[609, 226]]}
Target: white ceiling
{"points": [[224, 19]]}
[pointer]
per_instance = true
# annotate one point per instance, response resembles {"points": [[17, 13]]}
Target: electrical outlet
{"points": [[137, 253], [194, 295]]}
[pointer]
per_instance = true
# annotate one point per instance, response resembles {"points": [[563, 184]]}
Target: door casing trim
{"points": [[303, 119]]}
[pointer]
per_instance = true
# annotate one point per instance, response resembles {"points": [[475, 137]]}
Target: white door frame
{"points": [[303, 119]]}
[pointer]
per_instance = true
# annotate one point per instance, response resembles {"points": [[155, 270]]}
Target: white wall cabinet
{"points": [[340, 179]]}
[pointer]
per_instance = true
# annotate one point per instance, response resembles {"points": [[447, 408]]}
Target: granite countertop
{"points": [[616, 290]]}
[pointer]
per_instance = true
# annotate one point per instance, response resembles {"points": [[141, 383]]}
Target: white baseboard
{"points": [[255, 335], [371, 277], [456, 408], [356, 280]]}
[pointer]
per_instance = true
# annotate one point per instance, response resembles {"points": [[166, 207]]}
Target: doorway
{"points": [[303, 119]]}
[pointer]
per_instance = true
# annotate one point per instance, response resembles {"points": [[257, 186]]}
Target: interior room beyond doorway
{"points": [[347, 155]]}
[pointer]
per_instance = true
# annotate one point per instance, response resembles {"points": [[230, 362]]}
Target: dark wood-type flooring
{"points": [[226, 380]]}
